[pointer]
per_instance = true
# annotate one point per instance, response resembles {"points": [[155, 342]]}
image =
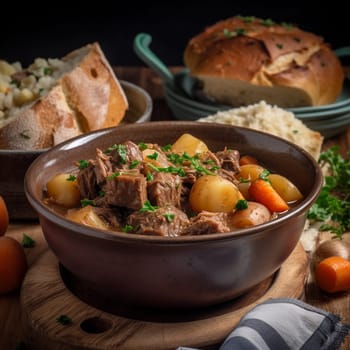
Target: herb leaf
{"points": [[147, 206], [332, 205], [27, 242], [241, 204], [169, 216], [82, 164], [64, 320], [71, 178]]}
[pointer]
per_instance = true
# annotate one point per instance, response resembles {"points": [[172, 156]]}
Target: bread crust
{"points": [[265, 54], [85, 98]]}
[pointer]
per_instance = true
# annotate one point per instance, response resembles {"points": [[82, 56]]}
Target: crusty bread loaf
{"points": [[274, 120], [243, 60], [80, 94]]}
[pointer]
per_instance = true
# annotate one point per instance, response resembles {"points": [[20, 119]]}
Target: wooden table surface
{"points": [[11, 332]]}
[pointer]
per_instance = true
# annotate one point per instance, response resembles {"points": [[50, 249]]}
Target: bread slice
{"points": [[83, 94], [243, 60], [274, 120]]}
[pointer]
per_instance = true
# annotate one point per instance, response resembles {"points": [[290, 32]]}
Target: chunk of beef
{"points": [[207, 222], [204, 163], [125, 190], [111, 216], [229, 160], [166, 221], [125, 154], [87, 182], [228, 175], [164, 189], [103, 166]]}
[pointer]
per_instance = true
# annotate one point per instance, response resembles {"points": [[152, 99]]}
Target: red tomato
{"points": [[4, 217], [13, 264]]}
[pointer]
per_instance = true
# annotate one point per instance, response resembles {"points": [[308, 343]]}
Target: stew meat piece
{"points": [[117, 183]]}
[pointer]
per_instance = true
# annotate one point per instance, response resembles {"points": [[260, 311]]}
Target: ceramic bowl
{"points": [[16, 162], [184, 271]]}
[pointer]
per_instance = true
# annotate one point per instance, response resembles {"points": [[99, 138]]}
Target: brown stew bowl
{"points": [[16, 162], [177, 272]]}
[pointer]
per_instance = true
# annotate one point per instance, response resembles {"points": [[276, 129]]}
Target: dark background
{"points": [[52, 29]]}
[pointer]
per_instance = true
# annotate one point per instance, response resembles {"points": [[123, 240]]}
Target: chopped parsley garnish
{"points": [[153, 156], [127, 228], [247, 19], [86, 202], [166, 148], [241, 204], [15, 82], [169, 216], [149, 176], [64, 320], [134, 164], [27, 241], [47, 70], [113, 175], [333, 204], [82, 164], [101, 193], [236, 32], [142, 146], [279, 46], [287, 25], [147, 206], [267, 22], [264, 175], [120, 149], [71, 178]]}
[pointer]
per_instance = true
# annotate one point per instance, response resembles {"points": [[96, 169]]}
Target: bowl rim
{"points": [[149, 103], [44, 212]]}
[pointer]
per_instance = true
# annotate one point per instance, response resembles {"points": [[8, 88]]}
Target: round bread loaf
{"points": [[243, 60]]}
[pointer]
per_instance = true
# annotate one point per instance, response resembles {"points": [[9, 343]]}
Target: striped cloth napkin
{"points": [[286, 324]]}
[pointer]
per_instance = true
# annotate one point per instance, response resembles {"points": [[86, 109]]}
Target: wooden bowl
{"points": [[184, 271]]}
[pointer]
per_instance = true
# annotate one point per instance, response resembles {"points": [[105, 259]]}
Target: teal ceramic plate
{"points": [[328, 127], [187, 102], [342, 105]]}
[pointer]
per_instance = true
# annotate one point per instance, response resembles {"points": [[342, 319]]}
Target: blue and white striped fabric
{"points": [[286, 324]]}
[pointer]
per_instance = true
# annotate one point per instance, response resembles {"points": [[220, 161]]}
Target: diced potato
{"points": [[86, 216], [64, 191], [285, 188], [255, 214], [189, 144], [214, 193], [250, 172]]}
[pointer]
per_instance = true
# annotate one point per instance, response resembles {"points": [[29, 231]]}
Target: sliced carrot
{"points": [[263, 192], [244, 160], [333, 274]]}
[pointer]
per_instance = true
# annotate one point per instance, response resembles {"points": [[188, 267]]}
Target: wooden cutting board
{"points": [[45, 297]]}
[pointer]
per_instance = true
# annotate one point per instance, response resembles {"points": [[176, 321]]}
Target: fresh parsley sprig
{"points": [[332, 205]]}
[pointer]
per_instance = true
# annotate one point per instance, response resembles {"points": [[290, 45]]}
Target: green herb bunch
{"points": [[333, 205]]}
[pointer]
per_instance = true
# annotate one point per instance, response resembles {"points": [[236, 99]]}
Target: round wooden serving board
{"points": [[45, 297]]}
